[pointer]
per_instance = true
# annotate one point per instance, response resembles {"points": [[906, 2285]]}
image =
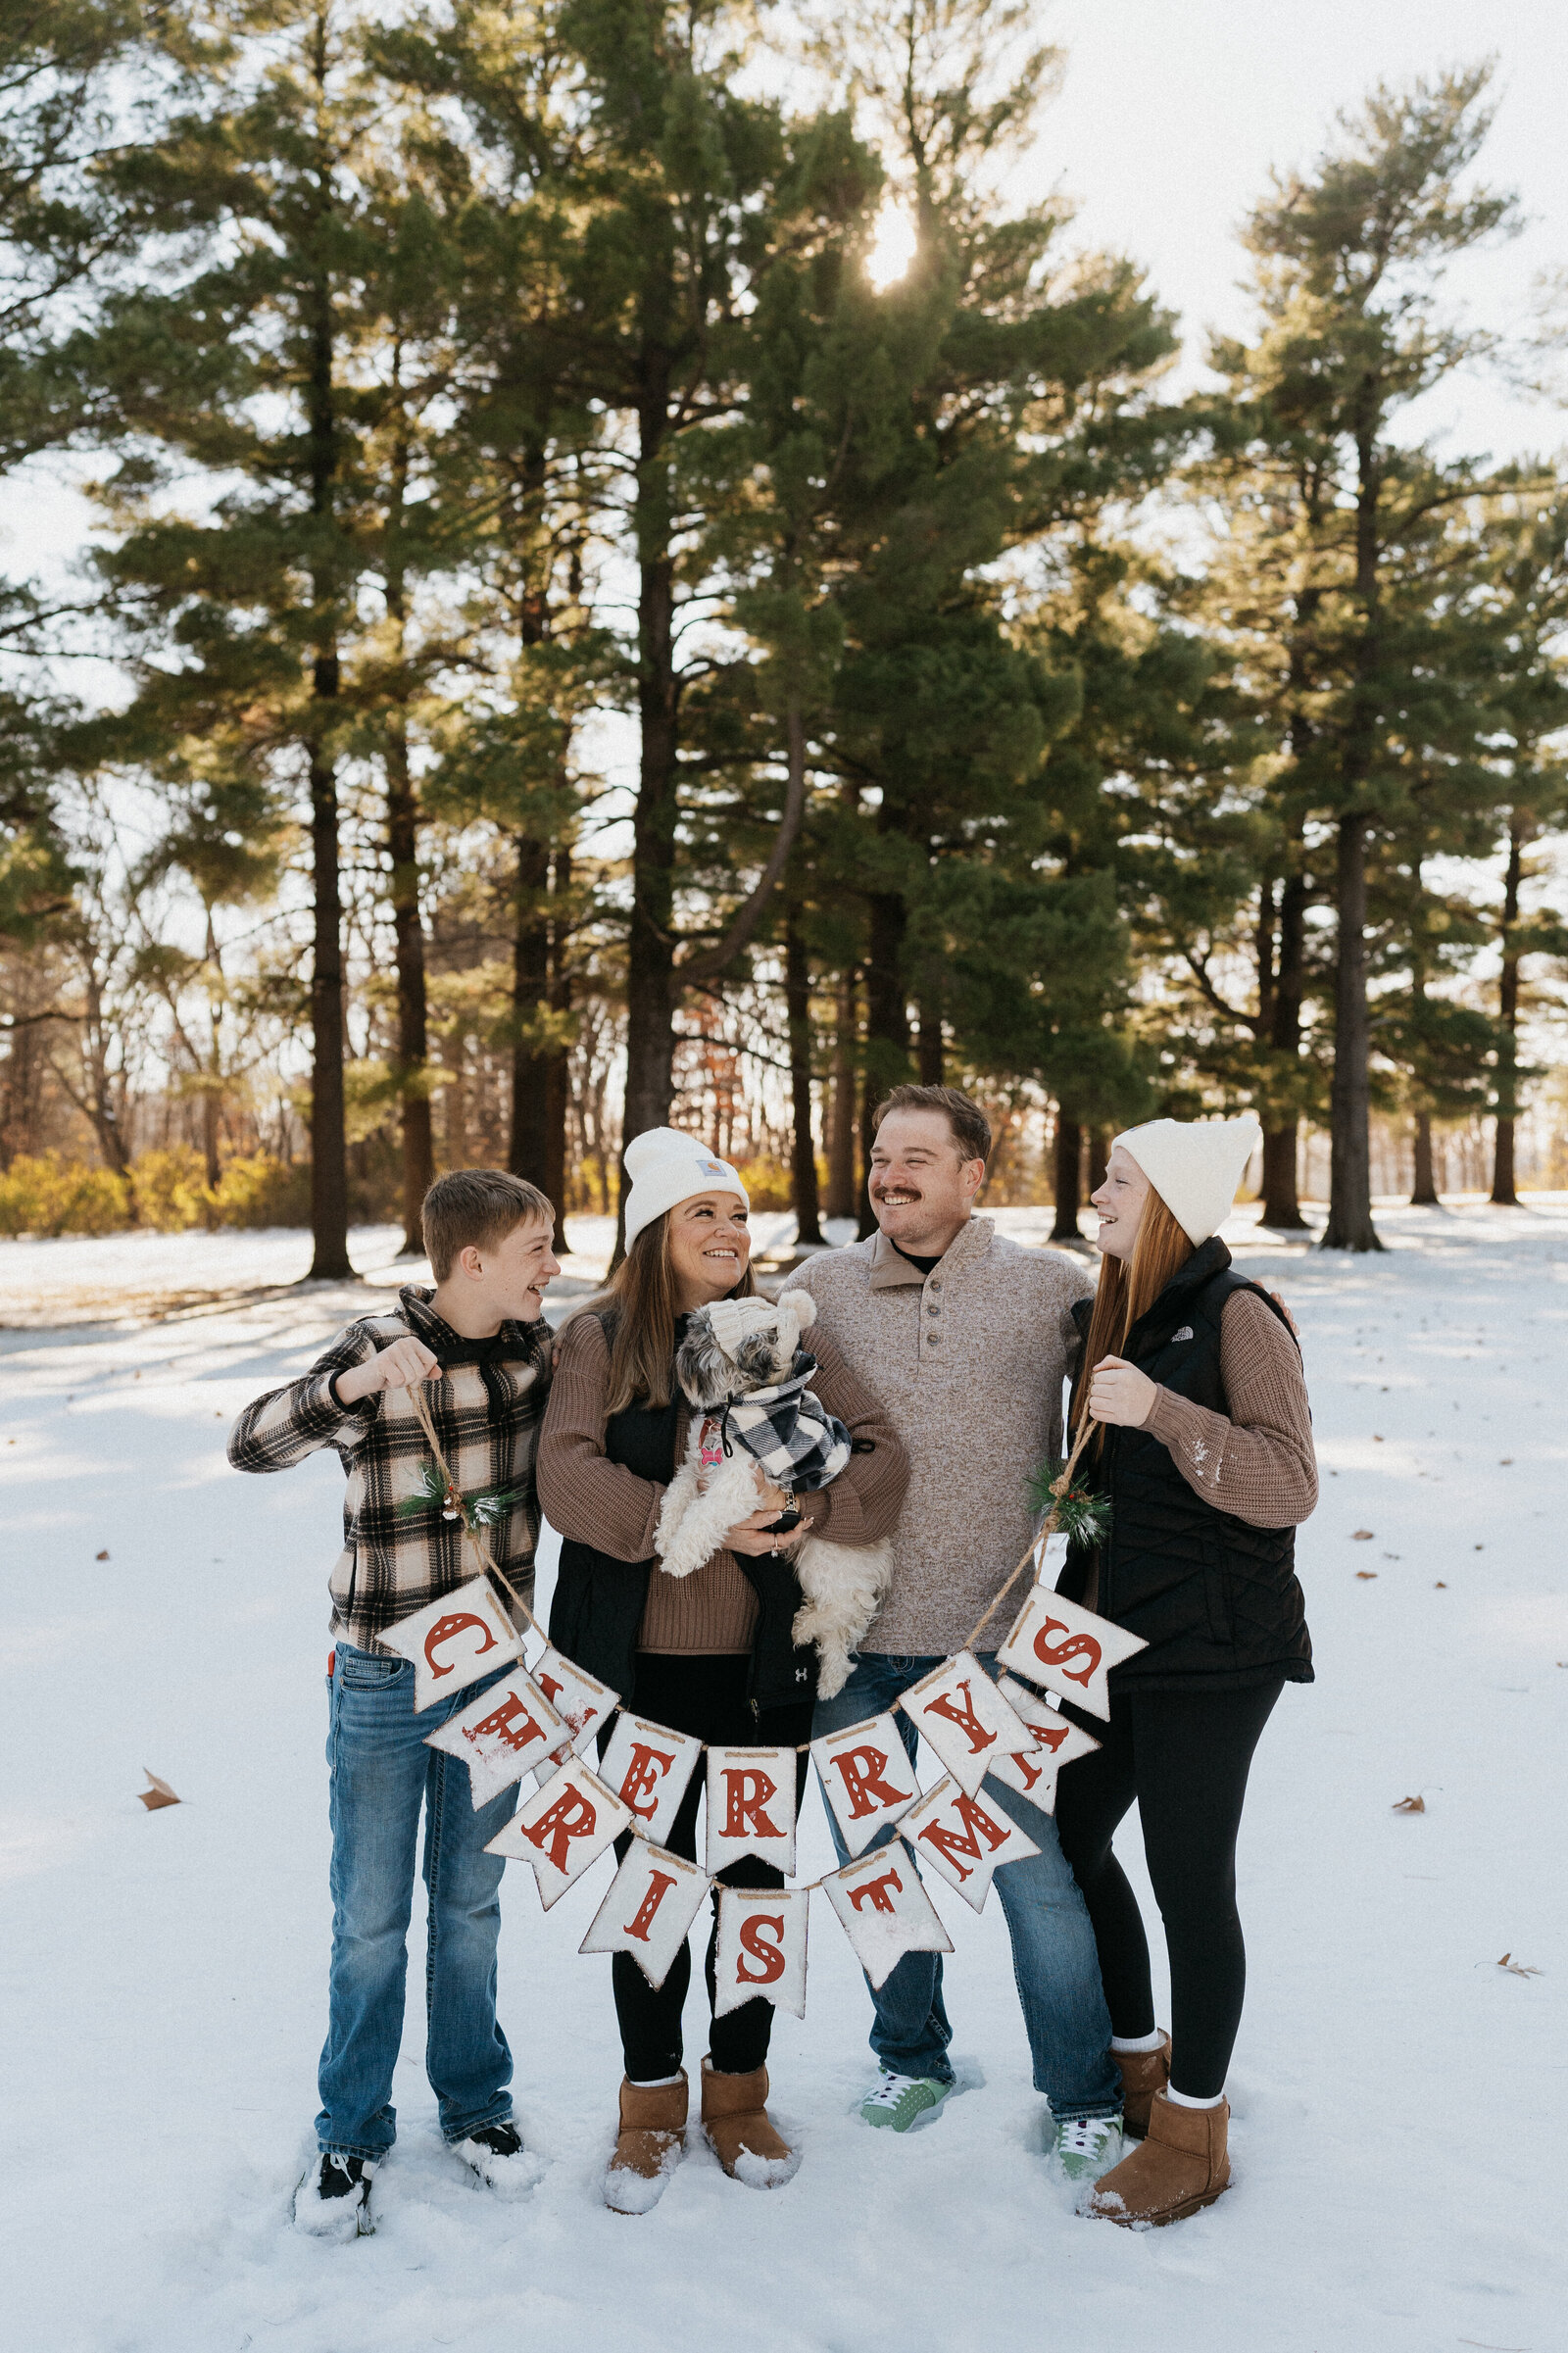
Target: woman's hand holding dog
{"points": [[749, 1536]]}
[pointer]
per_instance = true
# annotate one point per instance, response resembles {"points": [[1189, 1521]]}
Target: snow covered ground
{"points": [[1399, 2097]]}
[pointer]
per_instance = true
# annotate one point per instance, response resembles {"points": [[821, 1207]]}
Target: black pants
{"points": [[705, 1697], [1185, 1756]]}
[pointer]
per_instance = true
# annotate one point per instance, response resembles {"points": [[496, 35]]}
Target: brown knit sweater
{"points": [[1257, 1463], [595, 1501]]}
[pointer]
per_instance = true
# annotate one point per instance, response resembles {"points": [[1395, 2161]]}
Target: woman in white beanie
{"points": [[1206, 1457], [712, 1654]]}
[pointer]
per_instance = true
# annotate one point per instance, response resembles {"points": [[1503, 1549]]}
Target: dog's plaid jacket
{"points": [[789, 1431], [398, 1552]]}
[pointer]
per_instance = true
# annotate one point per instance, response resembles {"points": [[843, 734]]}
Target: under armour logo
{"points": [[1186, 1333]]}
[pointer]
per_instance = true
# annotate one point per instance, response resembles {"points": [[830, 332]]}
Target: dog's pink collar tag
{"points": [[710, 1450]]}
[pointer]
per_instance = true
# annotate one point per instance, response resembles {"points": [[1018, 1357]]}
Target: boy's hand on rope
{"points": [[396, 1367], [1119, 1392]]}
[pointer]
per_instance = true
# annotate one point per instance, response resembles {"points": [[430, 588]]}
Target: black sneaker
{"points": [[333, 2200], [496, 2153]]}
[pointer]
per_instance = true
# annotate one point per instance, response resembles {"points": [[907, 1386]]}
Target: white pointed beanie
{"points": [[1195, 1165], [667, 1167]]}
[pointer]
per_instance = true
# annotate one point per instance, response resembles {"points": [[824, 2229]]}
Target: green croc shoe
{"points": [[899, 2101], [1087, 2146]]}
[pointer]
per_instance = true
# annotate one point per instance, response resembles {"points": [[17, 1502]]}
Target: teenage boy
{"points": [[965, 1336], [480, 1342]]}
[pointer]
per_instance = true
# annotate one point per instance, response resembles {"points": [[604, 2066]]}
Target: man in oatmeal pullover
{"points": [[966, 1338]]}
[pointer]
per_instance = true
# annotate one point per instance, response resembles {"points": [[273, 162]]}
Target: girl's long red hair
{"points": [[1129, 1289]]}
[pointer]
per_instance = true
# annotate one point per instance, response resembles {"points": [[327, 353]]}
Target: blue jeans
{"points": [[381, 1774], [1054, 1966]]}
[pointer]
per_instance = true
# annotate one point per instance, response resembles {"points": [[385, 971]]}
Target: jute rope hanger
{"points": [[490, 1566]]}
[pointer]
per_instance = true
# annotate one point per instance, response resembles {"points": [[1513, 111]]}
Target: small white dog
{"points": [[745, 1377]]}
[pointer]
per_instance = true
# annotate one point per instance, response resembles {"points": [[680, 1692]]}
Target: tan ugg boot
{"points": [[736, 2122], [1182, 2165], [1142, 2074], [649, 2146]]}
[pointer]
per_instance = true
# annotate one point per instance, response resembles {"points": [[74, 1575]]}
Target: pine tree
{"points": [[248, 355], [1347, 263]]}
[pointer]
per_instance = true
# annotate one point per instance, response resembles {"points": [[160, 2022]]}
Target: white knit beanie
{"points": [[667, 1167], [1195, 1165]]}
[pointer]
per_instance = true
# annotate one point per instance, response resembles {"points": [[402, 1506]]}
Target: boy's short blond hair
{"points": [[476, 1208]]}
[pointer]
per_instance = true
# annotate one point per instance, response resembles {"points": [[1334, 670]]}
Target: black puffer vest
{"points": [[599, 1600], [1216, 1602]]}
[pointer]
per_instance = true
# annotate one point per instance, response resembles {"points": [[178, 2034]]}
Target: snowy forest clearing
{"points": [[164, 1974]]}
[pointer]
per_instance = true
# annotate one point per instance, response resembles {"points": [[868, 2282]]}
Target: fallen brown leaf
{"points": [[1517, 1969], [1442, 1585], [100, 1556], [1360, 1536], [159, 1794], [1366, 1576], [1409, 1805]]}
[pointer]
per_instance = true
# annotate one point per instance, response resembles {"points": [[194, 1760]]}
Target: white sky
{"points": [[1174, 110]]}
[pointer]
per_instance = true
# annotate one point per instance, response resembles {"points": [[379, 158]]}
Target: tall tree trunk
{"points": [[1349, 1226], [1424, 1190], [330, 1193], [1069, 1155], [798, 1007], [651, 987], [1098, 1154], [558, 1075], [1504, 1191], [841, 1119], [407, 930], [887, 1022], [1280, 1203], [529, 1149]]}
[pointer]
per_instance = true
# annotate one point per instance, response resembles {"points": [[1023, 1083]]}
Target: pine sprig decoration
{"points": [[1082, 1516], [486, 1510]]}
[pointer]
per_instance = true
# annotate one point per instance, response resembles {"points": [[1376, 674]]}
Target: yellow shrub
{"points": [[50, 1196], [768, 1185], [170, 1188], [263, 1192]]}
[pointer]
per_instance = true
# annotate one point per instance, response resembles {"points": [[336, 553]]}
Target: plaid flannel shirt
{"points": [[399, 1551], [789, 1432]]}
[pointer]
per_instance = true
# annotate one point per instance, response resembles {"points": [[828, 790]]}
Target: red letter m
{"points": [[952, 1844]]}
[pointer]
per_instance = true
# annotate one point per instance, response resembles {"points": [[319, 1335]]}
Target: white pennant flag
{"points": [[652, 1900], [959, 1711], [1033, 1774], [562, 1827], [761, 1948], [751, 1806], [649, 1766], [454, 1641], [884, 1911], [583, 1703], [1065, 1648], [866, 1777], [500, 1735], [966, 1838]]}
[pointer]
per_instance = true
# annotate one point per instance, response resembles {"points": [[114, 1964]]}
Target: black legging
{"points": [[706, 1698], [1184, 1755]]}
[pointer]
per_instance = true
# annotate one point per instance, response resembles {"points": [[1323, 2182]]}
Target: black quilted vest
{"points": [[1216, 1602]]}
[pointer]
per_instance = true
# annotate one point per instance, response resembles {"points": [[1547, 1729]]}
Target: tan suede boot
{"points": [[736, 2122], [1142, 2074], [1182, 2165], [648, 2147]]}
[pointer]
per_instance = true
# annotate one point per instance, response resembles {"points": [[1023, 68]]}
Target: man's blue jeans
{"points": [[381, 1774], [1053, 1960]]}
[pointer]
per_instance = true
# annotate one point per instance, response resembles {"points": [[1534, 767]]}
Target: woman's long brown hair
{"points": [[642, 1354], [1128, 1291]]}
